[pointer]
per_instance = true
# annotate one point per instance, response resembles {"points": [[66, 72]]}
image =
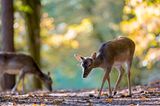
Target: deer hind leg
{"points": [[1, 75], [104, 79], [21, 75], [109, 87], [128, 76], [121, 72]]}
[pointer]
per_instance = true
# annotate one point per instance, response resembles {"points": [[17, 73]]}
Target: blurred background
{"points": [[52, 31]]}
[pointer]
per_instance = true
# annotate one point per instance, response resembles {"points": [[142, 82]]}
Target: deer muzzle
{"points": [[86, 72]]}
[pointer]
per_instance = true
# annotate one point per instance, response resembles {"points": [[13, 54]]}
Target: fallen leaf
{"points": [[104, 94], [151, 89], [34, 105], [14, 104], [124, 95], [143, 98], [109, 100], [43, 105]]}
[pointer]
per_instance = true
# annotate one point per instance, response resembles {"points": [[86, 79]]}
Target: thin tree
{"points": [[32, 19], [7, 81]]}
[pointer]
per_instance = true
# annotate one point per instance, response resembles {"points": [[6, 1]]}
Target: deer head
{"points": [[48, 81], [87, 63]]}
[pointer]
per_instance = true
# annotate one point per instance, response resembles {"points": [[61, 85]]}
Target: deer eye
{"points": [[89, 64]]}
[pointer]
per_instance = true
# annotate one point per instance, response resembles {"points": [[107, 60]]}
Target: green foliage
{"points": [[19, 6], [104, 15]]}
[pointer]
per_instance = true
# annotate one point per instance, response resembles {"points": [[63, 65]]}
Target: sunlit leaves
{"points": [[47, 23], [54, 36], [151, 57], [143, 27], [59, 41], [19, 33], [21, 7], [84, 26]]}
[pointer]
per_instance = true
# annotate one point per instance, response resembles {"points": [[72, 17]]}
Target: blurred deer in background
{"points": [[114, 53], [21, 64]]}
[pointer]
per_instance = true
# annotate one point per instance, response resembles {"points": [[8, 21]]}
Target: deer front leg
{"points": [[23, 85], [104, 79], [1, 75], [21, 75], [121, 72], [109, 87], [129, 85]]}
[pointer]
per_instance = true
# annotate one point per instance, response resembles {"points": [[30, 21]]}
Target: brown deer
{"points": [[111, 54], [22, 64]]}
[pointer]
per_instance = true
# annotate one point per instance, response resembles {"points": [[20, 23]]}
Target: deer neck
{"points": [[40, 74], [98, 61]]}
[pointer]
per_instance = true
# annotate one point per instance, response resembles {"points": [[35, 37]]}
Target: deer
{"points": [[114, 53], [21, 64]]}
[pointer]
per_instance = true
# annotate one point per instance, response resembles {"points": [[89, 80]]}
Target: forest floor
{"points": [[142, 95]]}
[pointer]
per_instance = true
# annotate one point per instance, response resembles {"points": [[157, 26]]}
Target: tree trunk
{"points": [[32, 19], [7, 81]]}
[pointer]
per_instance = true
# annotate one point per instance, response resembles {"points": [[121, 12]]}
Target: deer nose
{"points": [[84, 75], [50, 89]]}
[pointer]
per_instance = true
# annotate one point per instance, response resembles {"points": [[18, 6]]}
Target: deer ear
{"points": [[49, 73], [78, 57], [94, 55]]}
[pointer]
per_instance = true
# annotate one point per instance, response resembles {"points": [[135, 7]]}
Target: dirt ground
{"points": [[142, 95]]}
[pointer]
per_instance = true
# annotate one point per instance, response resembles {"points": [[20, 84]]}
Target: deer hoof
{"points": [[91, 95], [110, 96], [129, 95], [115, 93], [13, 90], [98, 97]]}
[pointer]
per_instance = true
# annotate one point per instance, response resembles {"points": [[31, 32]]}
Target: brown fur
{"points": [[113, 53], [21, 64]]}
